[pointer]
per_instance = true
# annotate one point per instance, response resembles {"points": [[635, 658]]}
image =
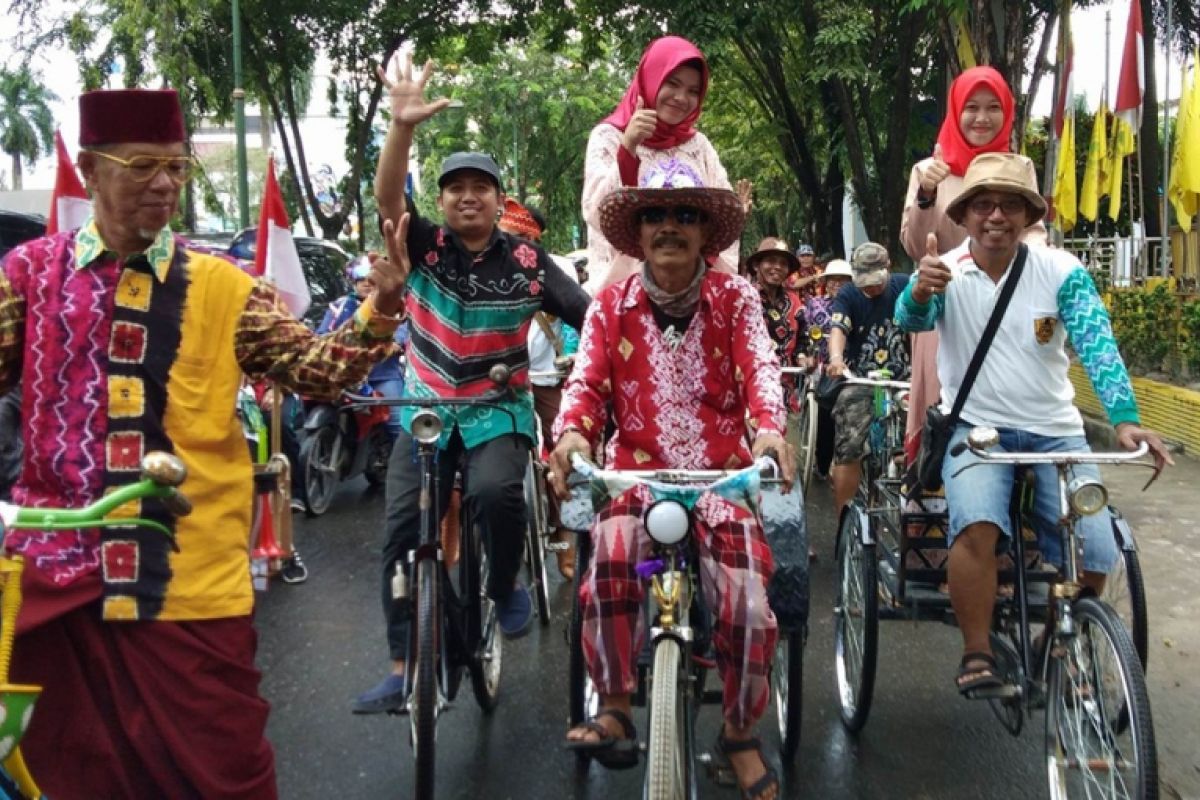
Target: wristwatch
{"points": [[924, 202]]}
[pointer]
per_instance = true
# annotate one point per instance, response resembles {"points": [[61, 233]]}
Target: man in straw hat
{"points": [[769, 267], [1054, 299], [681, 354], [130, 341]]}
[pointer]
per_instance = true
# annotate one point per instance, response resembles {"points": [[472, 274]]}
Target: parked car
{"points": [[324, 263], [16, 227]]}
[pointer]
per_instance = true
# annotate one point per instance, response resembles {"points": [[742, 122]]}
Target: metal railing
{"points": [[1125, 262]]}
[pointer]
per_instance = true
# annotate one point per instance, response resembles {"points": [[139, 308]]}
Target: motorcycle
{"points": [[341, 442]]}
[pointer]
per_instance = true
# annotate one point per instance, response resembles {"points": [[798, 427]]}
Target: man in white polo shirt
{"points": [[1022, 389]]}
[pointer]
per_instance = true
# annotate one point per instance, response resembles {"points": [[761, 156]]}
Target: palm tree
{"points": [[26, 124]]}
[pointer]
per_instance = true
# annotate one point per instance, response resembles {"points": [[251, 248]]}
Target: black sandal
{"points": [[769, 779], [975, 682], [613, 752]]}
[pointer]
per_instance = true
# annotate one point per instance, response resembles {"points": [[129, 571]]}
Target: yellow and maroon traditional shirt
{"points": [[120, 357]]}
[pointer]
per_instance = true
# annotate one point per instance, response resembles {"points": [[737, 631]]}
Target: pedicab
{"points": [[679, 644]]}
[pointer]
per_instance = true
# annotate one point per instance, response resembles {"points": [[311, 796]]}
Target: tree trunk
{"points": [[1148, 141], [273, 102], [16, 171]]}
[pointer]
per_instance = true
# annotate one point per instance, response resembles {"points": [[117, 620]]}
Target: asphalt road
{"points": [[321, 642]]}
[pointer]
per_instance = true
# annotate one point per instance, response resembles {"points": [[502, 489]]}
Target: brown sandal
{"points": [[769, 779], [613, 752]]}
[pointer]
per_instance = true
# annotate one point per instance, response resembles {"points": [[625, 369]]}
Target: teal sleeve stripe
{"points": [[914, 316], [1086, 320]]}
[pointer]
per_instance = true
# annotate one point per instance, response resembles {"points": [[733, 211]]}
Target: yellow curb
{"points": [[1172, 411]]}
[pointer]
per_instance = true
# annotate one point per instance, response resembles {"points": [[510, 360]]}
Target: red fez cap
{"points": [[517, 220], [151, 116]]}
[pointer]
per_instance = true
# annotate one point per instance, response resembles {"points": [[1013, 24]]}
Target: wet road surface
{"points": [[321, 643]]}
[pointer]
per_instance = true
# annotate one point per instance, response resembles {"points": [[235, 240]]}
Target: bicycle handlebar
{"points": [[766, 465], [162, 473], [852, 380], [1082, 457]]}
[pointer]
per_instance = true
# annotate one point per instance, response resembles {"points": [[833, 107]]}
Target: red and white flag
{"points": [[275, 256], [1131, 84], [69, 205]]}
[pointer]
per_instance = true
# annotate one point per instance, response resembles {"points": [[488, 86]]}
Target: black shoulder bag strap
{"points": [[989, 333]]}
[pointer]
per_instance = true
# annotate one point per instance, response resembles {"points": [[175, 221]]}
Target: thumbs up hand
{"points": [[932, 273], [934, 173], [640, 126]]}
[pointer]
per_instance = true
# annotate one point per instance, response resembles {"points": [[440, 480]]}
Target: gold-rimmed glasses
{"points": [[143, 168]]}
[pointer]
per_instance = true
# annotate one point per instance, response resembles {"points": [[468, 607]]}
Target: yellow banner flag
{"points": [[1184, 186], [1094, 184], [1121, 145], [1064, 169]]}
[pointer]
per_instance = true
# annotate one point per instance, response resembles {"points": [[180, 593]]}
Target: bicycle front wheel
{"points": [[668, 761], [787, 685], [536, 514], [856, 620], [484, 629], [1125, 593], [1099, 733], [808, 439], [425, 693]]}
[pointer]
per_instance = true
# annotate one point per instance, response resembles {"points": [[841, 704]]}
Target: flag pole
{"points": [[1165, 242], [1103, 104]]}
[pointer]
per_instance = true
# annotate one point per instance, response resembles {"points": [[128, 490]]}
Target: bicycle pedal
{"points": [[719, 771], [1006, 692]]}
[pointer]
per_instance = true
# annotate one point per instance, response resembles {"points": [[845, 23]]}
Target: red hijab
{"points": [[662, 57], [956, 151]]}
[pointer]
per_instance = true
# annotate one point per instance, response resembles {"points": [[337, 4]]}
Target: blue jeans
{"points": [[391, 388], [983, 494]]}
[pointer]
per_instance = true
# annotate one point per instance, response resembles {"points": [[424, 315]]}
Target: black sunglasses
{"points": [[684, 215]]}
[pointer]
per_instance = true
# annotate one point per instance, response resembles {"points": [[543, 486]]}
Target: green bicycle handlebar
{"points": [[161, 474]]}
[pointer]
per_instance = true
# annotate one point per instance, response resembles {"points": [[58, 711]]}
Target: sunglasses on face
{"points": [[143, 169], [683, 215], [983, 206]]}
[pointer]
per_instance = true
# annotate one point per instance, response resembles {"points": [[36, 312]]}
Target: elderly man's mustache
{"points": [[669, 239]]}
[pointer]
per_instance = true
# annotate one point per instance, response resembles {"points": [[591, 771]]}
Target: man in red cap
{"points": [[128, 341]]}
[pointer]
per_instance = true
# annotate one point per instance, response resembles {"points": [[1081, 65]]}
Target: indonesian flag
{"points": [[1132, 82], [69, 205], [275, 256]]}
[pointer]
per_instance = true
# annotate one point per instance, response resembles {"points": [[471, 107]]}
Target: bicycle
{"points": [[1084, 670], [672, 669], [161, 474], [539, 534], [806, 451], [455, 628]]}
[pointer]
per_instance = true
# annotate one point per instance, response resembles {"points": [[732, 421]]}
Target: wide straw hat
{"points": [[667, 185], [772, 246], [999, 172]]}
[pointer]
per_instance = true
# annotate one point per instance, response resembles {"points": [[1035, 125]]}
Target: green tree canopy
{"points": [[26, 124]]}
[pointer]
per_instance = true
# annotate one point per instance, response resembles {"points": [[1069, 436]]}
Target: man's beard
{"points": [[148, 235]]}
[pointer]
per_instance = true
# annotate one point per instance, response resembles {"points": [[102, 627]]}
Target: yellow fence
{"points": [[1172, 411]]}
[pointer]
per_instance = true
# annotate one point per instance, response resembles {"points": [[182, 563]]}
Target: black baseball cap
{"points": [[466, 160]]}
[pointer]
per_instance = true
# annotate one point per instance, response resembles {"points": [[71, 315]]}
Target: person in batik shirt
{"points": [[818, 320], [681, 354], [783, 311]]}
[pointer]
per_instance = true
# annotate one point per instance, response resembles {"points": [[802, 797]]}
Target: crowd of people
{"points": [[140, 342]]}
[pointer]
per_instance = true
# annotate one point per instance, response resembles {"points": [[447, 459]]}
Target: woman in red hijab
{"points": [[653, 123], [979, 119]]}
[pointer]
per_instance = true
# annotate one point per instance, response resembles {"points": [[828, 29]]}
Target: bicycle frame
{"points": [[673, 581], [1067, 589], [162, 473], [451, 639]]}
